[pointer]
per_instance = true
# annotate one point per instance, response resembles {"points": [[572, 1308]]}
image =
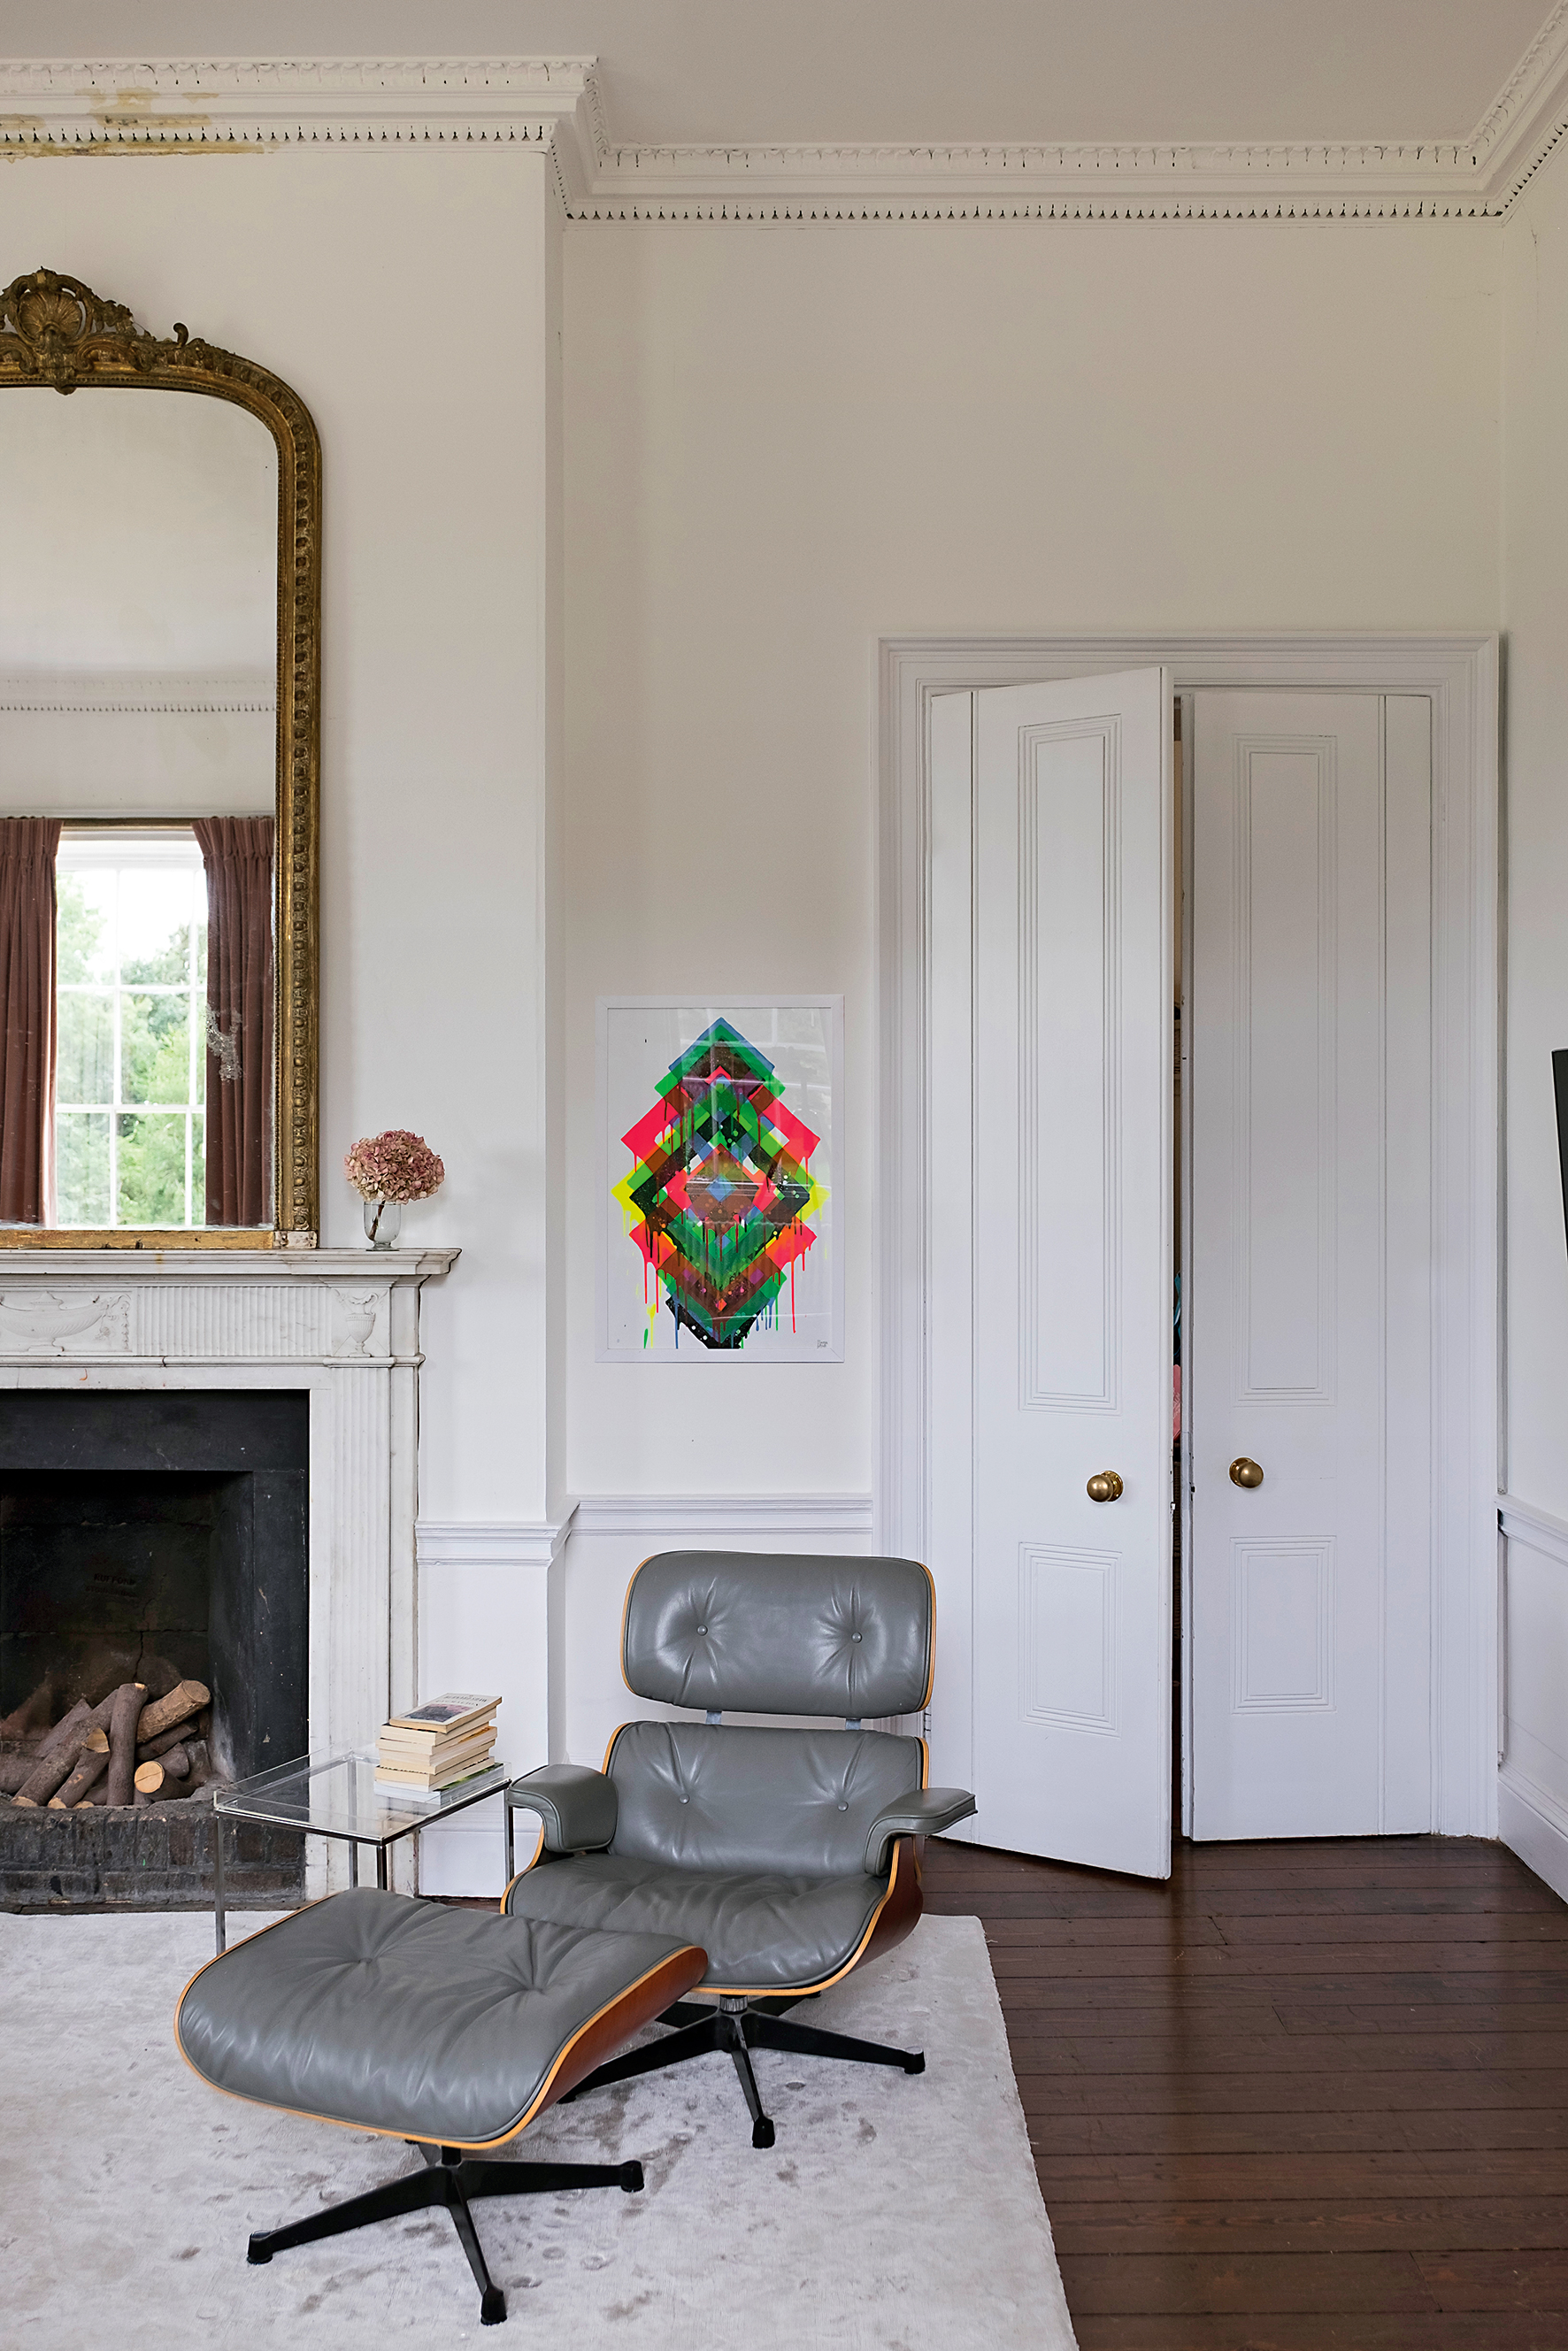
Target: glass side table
{"points": [[336, 1796]]}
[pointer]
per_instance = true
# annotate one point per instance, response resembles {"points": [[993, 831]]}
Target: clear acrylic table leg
{"points": [[218, 1878], [353, 1862], [382, 1868]]}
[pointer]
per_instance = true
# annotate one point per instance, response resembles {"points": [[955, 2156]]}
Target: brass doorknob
{"points": [[1104, 1487], [1244, 1472]]}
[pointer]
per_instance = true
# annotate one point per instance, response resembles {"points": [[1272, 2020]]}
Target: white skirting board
{"points": [[1533, 1825]]}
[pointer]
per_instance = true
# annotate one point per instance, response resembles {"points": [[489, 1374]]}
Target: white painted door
{"points": [[1308, 1312], [1057, 1236]]}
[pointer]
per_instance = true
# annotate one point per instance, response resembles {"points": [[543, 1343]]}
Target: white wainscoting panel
{"points": [[491, 1589], [1532, 1775], [703, 1517], [611, 1534], [543, 1599]]}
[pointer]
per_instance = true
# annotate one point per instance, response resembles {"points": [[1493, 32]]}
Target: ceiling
{"points": [[851, 72]]}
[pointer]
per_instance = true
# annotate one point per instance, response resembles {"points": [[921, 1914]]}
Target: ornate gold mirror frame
{"points": [[54, 331]]}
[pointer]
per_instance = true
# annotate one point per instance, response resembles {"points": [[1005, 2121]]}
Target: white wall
{"points": [[783, 445], [404, 293], [779, 445], [1535, 612], [1535, 615]]}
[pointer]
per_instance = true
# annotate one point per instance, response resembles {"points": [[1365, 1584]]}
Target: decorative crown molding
{"points": [[70, 106], [131, 101], [1075, 183], [65, 106]]}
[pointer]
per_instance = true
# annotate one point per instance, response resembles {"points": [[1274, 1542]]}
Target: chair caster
{"points": [[254, 2253], [762, 2132], [493, 2307], [916, 2062], [631, 2176]]}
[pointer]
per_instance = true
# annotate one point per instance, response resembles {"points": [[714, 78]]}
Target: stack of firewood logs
{"points": [[130, 1748]]}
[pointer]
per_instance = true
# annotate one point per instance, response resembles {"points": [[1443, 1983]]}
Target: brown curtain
{"points": [[27, 847], [237, 853]]}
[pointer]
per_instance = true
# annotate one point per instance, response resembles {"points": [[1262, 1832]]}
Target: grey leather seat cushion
{"points": [[436, 2024], [762, 1931]]}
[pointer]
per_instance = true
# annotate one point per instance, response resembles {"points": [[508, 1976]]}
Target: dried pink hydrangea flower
{"points": [[396, 1166]]}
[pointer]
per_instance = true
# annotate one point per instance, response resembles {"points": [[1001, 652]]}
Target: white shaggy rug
{"points": [[894, 2214]]}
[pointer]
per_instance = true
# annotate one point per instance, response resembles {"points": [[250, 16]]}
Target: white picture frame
{"points": [[748, 1268]]}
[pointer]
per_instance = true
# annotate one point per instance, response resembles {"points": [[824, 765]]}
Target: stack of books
{"points": [[435, 1745]]}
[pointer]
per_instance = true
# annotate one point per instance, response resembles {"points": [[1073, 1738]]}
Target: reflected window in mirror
{"points": [[131, 960], [137, 964]]}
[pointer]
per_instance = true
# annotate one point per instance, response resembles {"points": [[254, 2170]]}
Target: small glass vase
{"points": [[383, 1218]]}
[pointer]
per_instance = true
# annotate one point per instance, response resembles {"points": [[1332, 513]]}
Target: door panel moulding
{"points": [[55, 106], [1460, 673]]}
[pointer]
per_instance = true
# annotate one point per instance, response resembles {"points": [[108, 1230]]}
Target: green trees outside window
{"points": [[131, 945]]}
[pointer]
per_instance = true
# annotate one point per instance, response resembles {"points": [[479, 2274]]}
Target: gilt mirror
{"points": [[159, 662]]}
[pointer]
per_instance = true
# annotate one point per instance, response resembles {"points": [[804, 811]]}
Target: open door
{"points": [[1052, 972]]}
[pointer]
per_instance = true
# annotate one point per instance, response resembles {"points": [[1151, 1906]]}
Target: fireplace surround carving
{"points": [[341, 1326]]}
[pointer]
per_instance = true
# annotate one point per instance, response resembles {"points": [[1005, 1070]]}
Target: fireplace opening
{"points": [[159, 1540]]}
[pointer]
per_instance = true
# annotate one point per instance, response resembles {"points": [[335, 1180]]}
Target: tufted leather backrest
{"points": [[733, 1797], [778, 1633]]}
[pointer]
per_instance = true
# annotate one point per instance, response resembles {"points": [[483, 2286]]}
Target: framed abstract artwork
{"points": [[719, 1173]]}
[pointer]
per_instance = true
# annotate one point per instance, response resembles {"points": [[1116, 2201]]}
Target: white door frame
{"points": [[1460, 675]]}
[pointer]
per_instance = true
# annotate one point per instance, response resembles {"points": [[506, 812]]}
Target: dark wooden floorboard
{"points": [[1305, 2098]]}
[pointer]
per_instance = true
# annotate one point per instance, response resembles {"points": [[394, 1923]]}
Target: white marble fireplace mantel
{"points": [[342, 1325]]}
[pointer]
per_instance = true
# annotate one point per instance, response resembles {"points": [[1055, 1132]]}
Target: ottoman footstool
{"points": [[450, 2029]]}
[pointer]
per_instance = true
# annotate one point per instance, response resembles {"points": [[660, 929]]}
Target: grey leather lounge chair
{"points": [[790, 1855]]}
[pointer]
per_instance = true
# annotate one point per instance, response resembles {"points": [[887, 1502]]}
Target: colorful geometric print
{"points": [[721, 1193]]}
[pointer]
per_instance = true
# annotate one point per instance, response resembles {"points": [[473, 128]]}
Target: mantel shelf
{"points": [[51, 1267]]}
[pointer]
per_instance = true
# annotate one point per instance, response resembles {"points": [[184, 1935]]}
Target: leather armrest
{"points": [[578, 1807], [922, 1812]]}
